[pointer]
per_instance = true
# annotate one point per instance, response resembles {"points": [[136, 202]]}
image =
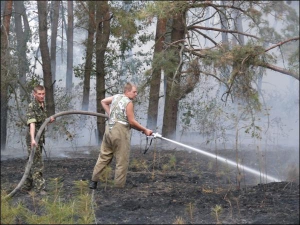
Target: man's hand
{"points": [[52, 119], [33, 143], [148, 132]]}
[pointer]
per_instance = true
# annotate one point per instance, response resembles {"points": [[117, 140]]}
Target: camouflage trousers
{"points": [[35, 178]]}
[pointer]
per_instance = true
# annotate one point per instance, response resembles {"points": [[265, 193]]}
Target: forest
{"points": [[204, 65], [215, 75]]}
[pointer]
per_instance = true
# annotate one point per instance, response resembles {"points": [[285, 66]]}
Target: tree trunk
{"points": [[156, 75], [42, 15], [54, 25], [102, 38], [2, 7], [171, 98], [22, 39], [63, 22], [5, 70], [225, 71], [69, 76], [89, 56], [238, 25], [240, 80]]}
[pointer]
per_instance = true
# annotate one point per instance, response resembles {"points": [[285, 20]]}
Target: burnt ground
{"points": [[176, 186]]}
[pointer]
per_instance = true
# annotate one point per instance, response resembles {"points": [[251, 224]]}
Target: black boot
{"points": [[93, 185]]}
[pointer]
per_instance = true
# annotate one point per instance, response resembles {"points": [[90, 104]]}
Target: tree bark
{"points": [[42, 15], [238, 40], [171, 98], [156, 75], [225, 71], [69, 76], [54, 25], [22, 39], [63, 22], [102, 38], [238, 26], [89, 56], [5, 70]]}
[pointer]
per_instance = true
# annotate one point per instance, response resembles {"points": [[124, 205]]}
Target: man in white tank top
{"points": [[116, 139]]}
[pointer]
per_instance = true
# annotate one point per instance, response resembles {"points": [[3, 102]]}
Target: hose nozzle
{"points": [[156, 135]]}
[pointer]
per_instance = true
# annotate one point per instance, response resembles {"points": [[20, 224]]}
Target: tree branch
{"points": [[197, 31], [283, 42], [280, 70], [220, 30]]}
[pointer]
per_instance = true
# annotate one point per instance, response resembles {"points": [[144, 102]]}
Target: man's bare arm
{"points": [[131, 119], [106, 104], [32, 133]]}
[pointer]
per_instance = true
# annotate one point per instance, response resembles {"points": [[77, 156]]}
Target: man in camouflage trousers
{"points": [[36, 115]]}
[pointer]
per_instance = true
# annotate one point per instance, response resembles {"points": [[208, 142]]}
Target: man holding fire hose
{"points": [[116, 139], [36, 115]]}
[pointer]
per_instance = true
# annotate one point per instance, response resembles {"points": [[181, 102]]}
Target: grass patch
{"points": [[51, 209]]}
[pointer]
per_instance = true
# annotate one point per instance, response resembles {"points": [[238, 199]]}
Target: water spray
{"points": [[232, 163]]}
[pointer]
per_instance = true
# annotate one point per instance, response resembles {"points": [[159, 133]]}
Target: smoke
{"points": [[203, 121]]}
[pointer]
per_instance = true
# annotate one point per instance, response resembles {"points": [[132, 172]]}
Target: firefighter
{"points": [[36, 115], [116, 139]]}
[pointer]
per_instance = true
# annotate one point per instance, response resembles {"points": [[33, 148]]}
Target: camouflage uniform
{"points": [[36, 114]]}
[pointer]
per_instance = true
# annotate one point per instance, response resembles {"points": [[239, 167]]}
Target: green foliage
{"points": [[179, 220], [254, 130], [129, 29], [124, 26], [139, 165], [245, 56], [55, 212], [294, 61], [190, 208], [32, 82], [216, 212], [166, 60], [80, 69], [171, 163], [81, 13], [162, 9], [9, 213], [55, 186], [244, 60], [187, 116], [106, 176], [144, 38], [86, 215], [52, 209]]}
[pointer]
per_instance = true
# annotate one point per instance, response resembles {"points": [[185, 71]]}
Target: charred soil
{"points": [[173, 186]]}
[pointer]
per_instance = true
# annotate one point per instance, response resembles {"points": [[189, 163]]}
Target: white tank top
{"points": [[118, 110]]}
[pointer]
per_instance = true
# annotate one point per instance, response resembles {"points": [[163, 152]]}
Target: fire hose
{"points": [[154, 135], [37, 137], [227, 161]]}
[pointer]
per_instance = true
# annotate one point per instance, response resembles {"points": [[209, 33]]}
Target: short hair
{"points": [[128, 86], [38, 88]]}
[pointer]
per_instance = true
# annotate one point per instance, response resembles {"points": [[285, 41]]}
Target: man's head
{"points": [[39, 93], [130, 90]]}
